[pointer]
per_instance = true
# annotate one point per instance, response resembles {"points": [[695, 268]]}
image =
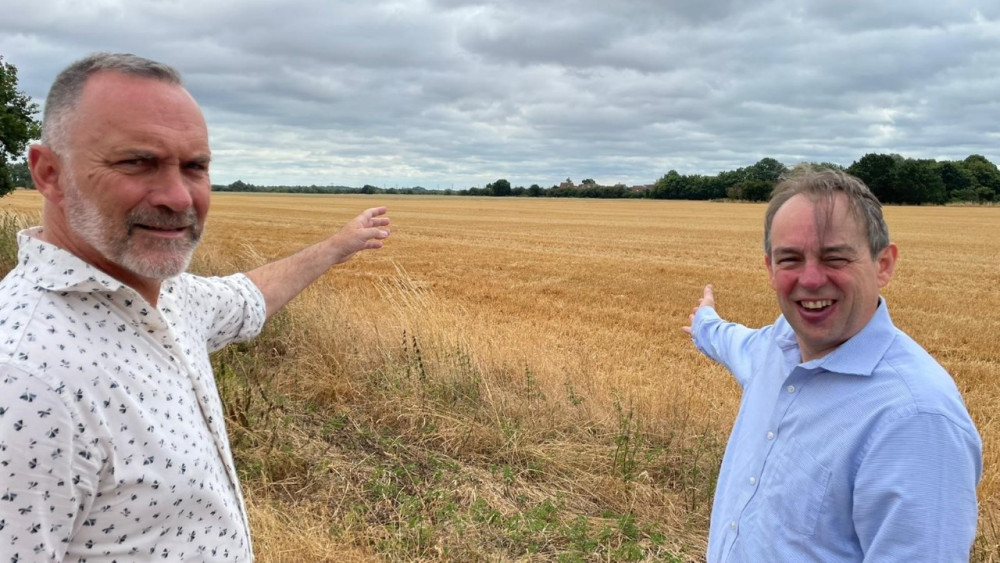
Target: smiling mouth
{"points": [[162, 229], [816, 305]]}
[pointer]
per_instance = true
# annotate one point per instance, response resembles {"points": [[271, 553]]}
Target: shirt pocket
{"points": [[798, 489]]}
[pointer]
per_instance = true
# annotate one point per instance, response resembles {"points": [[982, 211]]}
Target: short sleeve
{"points": [[228, 309]]}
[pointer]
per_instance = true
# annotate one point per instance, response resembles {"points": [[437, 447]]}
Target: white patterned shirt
{"points": [[113, 445]]}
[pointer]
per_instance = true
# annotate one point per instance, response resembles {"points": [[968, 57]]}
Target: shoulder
{"points": [[208, 285], [926, 380], [922, 385], [191, 292], [229, 305], [21, 305]]}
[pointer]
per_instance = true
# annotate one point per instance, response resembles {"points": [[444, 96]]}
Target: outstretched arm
{"points": [[707, 300], [733, 345], [282, 280]]}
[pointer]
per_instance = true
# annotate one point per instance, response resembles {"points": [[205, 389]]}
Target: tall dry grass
{"points": [[507, 379]]}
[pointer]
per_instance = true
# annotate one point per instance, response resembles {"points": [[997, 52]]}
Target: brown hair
{"points": [[824, 184]]}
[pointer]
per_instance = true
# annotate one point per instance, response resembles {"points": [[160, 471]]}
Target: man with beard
{"points": [[112, 439], [851, 443]]}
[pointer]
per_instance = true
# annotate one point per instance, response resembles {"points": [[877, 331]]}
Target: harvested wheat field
{"points": [[508, 378]]}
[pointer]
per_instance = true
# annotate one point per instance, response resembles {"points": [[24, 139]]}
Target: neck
{"points": [[147, 288], [150, 291]]}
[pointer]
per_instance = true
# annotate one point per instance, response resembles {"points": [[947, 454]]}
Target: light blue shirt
{"points": [[865, 454]]}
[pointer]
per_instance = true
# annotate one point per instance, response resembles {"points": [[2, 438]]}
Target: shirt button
{"points": [[753, 480], [791, 388], [770, 435], [733, 524]]}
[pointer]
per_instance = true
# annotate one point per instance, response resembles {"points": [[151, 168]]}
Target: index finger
{"points": [[708, 296]]}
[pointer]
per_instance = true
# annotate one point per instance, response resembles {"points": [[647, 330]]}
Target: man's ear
{"points": [[45, 169], [885, 264]]}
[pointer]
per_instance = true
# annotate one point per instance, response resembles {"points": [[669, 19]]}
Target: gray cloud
{"points": [[445, 93]]}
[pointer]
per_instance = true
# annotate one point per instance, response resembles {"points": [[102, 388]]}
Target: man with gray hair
{"points": [[113, 445], [851, 442]]}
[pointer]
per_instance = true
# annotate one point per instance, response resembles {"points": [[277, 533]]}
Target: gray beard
{"points": [[150, 258]]}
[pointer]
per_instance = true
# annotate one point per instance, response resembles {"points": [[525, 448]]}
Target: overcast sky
{"points": [[453, 93]]}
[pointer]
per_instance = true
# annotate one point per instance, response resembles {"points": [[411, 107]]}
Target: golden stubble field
{"points": [[590, 295]]}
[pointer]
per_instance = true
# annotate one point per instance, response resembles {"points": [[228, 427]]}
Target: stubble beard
{"points": [[145, 256]]}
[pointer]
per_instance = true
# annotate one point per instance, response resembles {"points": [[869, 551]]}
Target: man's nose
{"points": [[813, 274], [172, 190]]}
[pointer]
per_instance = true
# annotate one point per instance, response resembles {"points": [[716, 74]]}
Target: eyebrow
{"points": [[149, 155], [840, 248], [138, 153]]}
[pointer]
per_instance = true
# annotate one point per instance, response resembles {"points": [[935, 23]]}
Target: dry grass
{"points": [[507, 379]]}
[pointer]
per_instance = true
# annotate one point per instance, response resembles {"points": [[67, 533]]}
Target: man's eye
{"points": [[837, 261], [133, 163]]}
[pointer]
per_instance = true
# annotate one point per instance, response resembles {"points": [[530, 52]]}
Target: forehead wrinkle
{"points": [[133, 112]]}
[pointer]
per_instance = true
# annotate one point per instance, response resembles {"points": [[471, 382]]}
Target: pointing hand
{"points": [[707, 300]]}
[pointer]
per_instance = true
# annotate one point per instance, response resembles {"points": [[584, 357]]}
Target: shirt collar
{"points": [[52, 268], [859, 355]]}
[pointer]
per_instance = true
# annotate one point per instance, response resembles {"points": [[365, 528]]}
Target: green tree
{"points": [[719, 185], [877, 171], [986, 174], [766, 170], [959, 183], [18, 125], [20, 175], [918, 181], [678, 186], [751, 190], [753, 183], [670, 186], [500, 188]]}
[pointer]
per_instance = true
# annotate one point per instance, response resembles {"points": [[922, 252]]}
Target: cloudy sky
{"points": [[455, 93]]}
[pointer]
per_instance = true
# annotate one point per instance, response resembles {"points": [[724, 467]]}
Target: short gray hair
{"points": [[824, 184], [65, 91]]}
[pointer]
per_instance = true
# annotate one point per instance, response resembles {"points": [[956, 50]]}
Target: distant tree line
{"points": [[20, 176], [241, 186], [893, 178]]}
